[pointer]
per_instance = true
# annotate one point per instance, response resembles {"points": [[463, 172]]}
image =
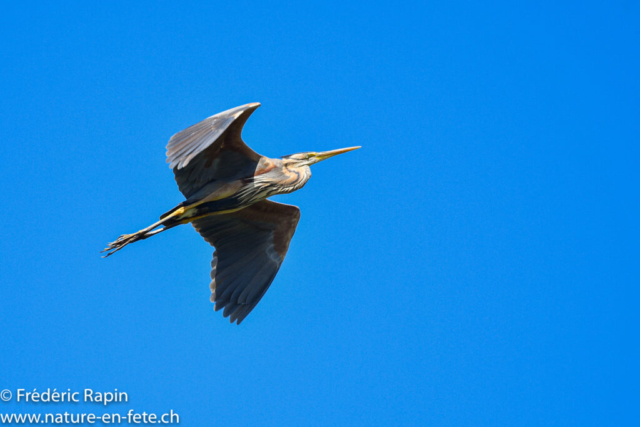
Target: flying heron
{"points": [[226, 185]]}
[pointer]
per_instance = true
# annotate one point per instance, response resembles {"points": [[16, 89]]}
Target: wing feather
{"points": [[211, 150], [251, 245]]}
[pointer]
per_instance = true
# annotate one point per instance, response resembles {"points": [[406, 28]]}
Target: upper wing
{"points": [[212, 149], [250, 246]]}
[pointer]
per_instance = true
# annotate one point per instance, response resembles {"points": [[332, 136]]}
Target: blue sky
{"points": [[475, 263]]}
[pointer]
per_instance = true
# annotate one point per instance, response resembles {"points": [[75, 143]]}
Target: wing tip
{"points": [[178, 160]]}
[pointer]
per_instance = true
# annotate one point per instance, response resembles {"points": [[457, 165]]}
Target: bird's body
{"points": [[226, 185], [270, 177]]}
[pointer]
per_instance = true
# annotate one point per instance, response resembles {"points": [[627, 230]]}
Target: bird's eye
{"points": [[306, 157]]}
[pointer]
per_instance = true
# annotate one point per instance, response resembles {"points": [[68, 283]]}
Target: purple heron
{"points": [[226, 185]]}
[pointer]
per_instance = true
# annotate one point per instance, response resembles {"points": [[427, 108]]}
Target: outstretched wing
{"points": [[250, 246], [212, 149]]}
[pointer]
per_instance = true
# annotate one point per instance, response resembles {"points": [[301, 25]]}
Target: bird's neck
{"points": [[296, 178]]}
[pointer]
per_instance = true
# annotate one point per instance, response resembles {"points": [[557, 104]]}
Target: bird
{"points": [[226, 186]]}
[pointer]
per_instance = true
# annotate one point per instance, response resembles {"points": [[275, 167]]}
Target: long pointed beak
{"points": [[326, 154]]}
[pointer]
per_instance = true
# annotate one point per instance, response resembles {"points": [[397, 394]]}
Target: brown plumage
{"points": [[226, 185]]}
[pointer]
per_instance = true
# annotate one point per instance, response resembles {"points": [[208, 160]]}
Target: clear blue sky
{"points": [[474, 264]]}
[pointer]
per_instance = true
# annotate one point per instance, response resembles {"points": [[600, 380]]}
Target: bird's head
{"points": [[311, 157]]}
